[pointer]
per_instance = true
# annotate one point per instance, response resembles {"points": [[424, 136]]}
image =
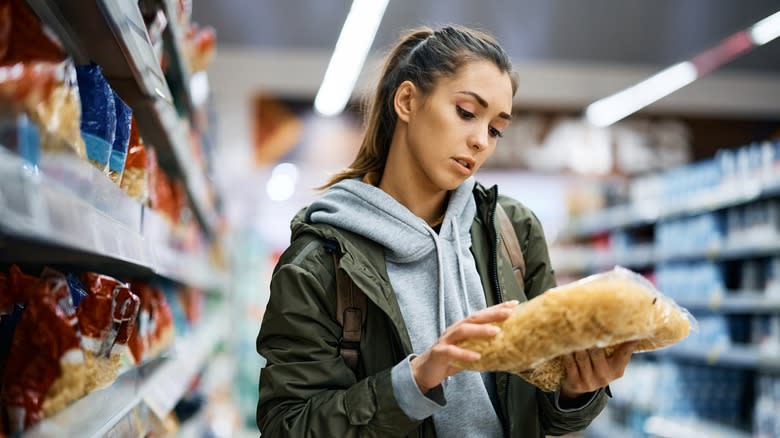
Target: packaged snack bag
{"points": [[603, 310]]}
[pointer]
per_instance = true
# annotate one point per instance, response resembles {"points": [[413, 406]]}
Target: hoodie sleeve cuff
{"points": [[556, 400], [412, 401]]}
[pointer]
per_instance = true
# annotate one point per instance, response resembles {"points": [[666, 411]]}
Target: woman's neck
{"points": [[406, 183]]}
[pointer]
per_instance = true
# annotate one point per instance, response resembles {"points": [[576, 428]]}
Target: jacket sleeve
{"points": [[540, 278], [306, 389]]}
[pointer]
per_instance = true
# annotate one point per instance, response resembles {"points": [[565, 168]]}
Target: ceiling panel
{"points": [[637, 32]]}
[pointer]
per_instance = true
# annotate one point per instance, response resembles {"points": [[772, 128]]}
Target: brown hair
{"points": [[421, 56]]}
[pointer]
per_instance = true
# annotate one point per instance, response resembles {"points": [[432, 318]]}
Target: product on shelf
{"points": [[602, 310], [161, 192], [36, 78], [154, 328], [106, 319], [116, 163], [135, 176], [201, 43], [45, 369], [98, 114], [23, 37]]}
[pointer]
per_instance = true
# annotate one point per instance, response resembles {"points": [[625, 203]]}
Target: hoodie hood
{"points": [[368, 211]]}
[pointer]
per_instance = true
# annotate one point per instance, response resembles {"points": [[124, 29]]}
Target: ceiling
{"points": [[631, 32]]}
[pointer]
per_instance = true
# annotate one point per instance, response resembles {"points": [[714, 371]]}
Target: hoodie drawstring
{"points": [[461, 272], [442, 319]]}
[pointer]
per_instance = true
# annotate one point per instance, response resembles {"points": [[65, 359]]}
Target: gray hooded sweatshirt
{"points": [[435, 280]]}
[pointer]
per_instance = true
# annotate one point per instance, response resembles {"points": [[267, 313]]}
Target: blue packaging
{"points": [[124, 114], [98, 113]]}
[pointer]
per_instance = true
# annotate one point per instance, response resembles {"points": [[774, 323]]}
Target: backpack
{"points": [[351, 303]]}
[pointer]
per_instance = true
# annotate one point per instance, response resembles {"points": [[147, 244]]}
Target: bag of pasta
{"points": [[603, 310]]}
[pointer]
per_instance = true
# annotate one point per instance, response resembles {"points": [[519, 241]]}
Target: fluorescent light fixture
{"points": [[350, 53], [609, 110], [765, 30]]}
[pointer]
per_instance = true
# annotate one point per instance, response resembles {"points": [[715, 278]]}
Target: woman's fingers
{"points": [[572, 372], [495, 313], [582, 358], [452, 352], [602, 369], [468, 330], [621, 356]]}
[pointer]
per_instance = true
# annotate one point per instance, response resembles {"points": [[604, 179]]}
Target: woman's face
{"points": [[453, 130]]}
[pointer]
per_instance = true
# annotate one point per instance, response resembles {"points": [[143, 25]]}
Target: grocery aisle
{"points": [[113, 274], [153, 152]]}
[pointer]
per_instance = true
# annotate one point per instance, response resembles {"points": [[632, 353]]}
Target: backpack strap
{"points": [[350, 314], [510, 245]]}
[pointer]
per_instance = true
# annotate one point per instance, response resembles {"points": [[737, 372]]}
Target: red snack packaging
{"points": [[139, 341], [22, 37], [96, 322], [125, 311], [135, 180], [45, 366]]}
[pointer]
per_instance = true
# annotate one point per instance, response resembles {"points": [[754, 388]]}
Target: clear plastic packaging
{"points": [[116, 162], [603, 310]]}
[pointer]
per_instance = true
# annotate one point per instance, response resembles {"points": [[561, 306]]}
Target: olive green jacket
{"points": [[306, 389]]}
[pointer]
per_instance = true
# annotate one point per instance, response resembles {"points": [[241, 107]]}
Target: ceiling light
{"points": [[609, 110], [350, 53], [765, 30]]}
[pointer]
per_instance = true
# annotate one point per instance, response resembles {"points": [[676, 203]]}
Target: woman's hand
{"points": [[433, 366], [589, 370]]}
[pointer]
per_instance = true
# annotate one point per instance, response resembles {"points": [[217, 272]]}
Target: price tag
{"points": [[713, 356], [712, 251], [716, 299]]}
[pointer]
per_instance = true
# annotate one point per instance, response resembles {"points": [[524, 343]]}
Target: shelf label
{"points": [[713, 356], [716, 300]]}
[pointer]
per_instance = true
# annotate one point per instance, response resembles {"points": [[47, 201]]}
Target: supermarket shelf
{"points": [[735, 302], [736, 356], [74, 209], [113, 34], [727, 251], [649, 212], [583, 259], [174, 37], [665, 427], [157, 385], [605, 427]]}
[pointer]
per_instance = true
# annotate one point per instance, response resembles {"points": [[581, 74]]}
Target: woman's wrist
{"points": [[415, 362]]}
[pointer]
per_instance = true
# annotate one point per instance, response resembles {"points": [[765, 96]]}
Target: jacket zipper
{"points": [[497, 289], [494, 254]]}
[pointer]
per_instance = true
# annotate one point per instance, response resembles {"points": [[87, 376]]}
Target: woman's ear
{"points": [[404, 99]]}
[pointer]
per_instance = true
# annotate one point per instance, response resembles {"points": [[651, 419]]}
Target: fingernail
{"points": [[514, 302]]}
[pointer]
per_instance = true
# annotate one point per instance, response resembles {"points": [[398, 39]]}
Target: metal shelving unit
{"points": [[735, 356], [649, 212], [113, 34], [735, 302], [665, 427], [584, 259], [79, 216], [155, 387]]}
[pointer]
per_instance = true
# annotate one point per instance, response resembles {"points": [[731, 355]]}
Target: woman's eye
{"points": [[463, 113], [495, 133]]}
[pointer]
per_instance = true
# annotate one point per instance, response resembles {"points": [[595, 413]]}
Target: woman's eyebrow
{"points": [[484, 103]]}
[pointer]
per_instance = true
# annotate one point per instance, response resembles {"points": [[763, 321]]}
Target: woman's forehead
{"points": [[483, 78]]}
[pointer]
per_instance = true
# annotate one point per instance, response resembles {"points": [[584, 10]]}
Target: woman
{"points": [[417, 236]]}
